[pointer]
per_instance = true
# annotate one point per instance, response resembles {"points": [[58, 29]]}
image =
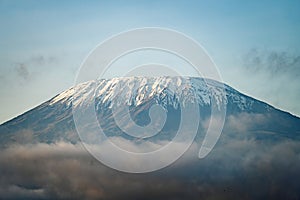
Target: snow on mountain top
{"points": [[164, 90]]}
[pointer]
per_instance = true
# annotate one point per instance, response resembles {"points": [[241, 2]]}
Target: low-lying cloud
{"points": [[236, 169]]}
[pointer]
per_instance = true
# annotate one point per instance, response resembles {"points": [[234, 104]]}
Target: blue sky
{"points": [[255, 44]]}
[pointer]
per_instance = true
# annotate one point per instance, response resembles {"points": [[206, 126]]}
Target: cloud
{"points": [[236, 169], [27, 68], [273, 62], [22, 71], [43, 60], [243, 122]]}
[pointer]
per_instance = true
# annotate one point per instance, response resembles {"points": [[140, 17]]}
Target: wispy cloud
{"points": [[22, 71], [276, 63], [26, 69]]}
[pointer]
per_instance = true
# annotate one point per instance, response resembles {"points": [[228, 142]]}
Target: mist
{"points": [[235, 169]]}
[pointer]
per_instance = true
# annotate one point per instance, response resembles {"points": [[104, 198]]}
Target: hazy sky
{"points": [[255, 44]]}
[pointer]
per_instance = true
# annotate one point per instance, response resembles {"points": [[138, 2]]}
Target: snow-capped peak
{"points": [[164, 90]]}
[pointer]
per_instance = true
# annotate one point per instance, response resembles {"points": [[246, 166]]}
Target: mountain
{"points": [[53, 121], [256, 156]]}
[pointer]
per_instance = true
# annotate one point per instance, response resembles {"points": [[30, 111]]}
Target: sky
{"points": [[255, 44]]}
